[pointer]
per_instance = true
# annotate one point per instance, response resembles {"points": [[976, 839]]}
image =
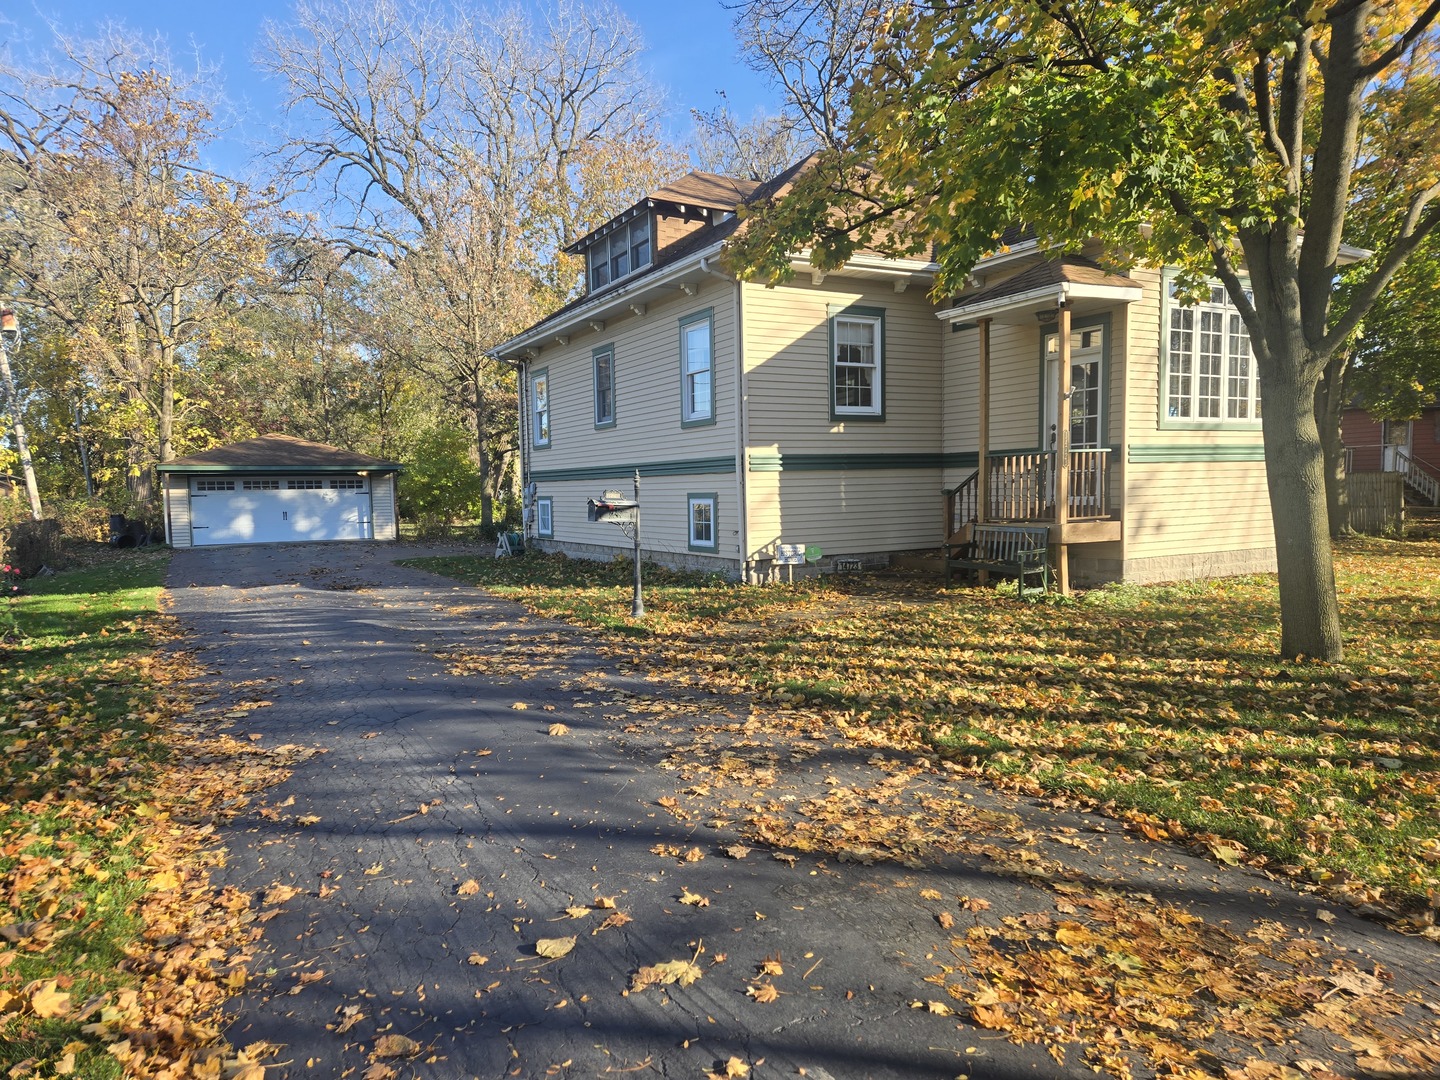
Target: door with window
{"points": [[1087, 380], [1395, 438]]}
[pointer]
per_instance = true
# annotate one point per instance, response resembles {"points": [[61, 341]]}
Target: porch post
{"points": [[982, 479], [1062, 455]]}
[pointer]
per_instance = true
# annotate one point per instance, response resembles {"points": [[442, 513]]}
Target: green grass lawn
{"points": [[78, 758], [1166, 705]]}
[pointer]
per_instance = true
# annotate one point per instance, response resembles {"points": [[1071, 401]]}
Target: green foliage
{"points": [[440, 485]]}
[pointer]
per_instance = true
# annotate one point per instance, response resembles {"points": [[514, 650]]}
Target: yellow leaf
{"points": [[47, 1000], [693, 899], [605, 902], [763, 992], [477, 959], [468, 887], [683, 972], [735, 1067], [554, 948], [559, 729], [931, 894], [577, 912], [945, 919], [520, 705]]}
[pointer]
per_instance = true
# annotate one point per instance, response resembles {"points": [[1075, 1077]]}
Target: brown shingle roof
{"points": [[279, 453], [707, 189], [1076, 269]]}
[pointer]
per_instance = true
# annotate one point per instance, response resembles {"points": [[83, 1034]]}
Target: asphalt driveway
{"points": [[407, 872]]}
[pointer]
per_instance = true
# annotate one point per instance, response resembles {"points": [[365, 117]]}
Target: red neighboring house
{"points": [[1409, 447]]}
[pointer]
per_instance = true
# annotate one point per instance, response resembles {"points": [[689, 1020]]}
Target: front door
{"points": [[1087, 347]]}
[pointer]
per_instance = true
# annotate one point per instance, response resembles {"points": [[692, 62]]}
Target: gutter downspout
{"points": [[742, 509]]}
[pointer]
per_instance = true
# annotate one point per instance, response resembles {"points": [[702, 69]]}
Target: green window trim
{"points": [[545, 521], [859, 314], [710, 502], [602, 421], [696, 417]]}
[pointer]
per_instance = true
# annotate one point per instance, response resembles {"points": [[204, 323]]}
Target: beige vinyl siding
{"points": [[851, 510], [1016, 388], [664, 514], [1188, 507], [787, 364], [177, 489], [647, 389], [382, 507]]}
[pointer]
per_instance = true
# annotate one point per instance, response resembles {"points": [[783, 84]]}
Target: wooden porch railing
{"points": [[1022, 488], [1418, 477]]}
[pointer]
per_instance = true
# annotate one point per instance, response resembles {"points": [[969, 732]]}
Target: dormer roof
{"points": [[697, 194]]}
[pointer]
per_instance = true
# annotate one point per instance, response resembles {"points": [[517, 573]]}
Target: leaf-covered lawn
{"points": [[1166, 705], [114, 948]]}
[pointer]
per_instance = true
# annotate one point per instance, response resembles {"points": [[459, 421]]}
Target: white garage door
{"points": [[270, 510]]}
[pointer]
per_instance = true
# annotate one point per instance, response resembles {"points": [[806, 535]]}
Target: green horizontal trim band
{"points": [[848, 462], [693, 467], [1164, 455], [764, 461], [278, 470]]}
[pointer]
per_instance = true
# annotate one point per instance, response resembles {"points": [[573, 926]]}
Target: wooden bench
{"points": [[1018, 551]]}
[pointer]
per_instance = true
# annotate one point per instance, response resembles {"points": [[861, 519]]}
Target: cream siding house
{"points": [[850, 411]]}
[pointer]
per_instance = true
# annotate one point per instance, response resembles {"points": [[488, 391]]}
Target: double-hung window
{"points": [[604, 365], [540, 408], [857, 348], [1210, 372], [544, 516], [702, 523], [697, 390]]}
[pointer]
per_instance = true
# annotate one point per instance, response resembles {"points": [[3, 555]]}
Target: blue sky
{"points": [[691, 49]]}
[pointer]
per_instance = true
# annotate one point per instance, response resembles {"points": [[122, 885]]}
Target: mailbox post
{"points": [[612, 506]]}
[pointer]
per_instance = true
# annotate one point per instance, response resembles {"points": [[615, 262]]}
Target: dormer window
{"points": [[621, 253]]}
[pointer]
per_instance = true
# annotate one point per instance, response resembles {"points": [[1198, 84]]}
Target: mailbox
{"points": [[612, 510]]}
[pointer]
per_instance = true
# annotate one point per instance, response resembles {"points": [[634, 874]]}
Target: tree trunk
{"points": [[1329, 407], [1295, 475]]}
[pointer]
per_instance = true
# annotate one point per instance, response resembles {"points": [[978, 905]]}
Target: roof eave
{"points": [[1052, 295]]}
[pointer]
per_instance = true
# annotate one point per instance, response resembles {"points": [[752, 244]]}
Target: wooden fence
{"points": [[1377, 502]]}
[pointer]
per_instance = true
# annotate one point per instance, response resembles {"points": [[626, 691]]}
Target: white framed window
{"points": [[260, 485], [703, 535], [857, 363], [348, 483], [214, 485], [544, 516], [304, 485], [1210, 374], [540, 408], [697, 388], [620, 253], [604, 363]]}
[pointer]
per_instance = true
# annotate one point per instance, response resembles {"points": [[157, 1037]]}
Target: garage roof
{"points": [[279, 454]]}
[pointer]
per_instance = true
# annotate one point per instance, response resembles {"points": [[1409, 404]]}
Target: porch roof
{"points": [[1045, 285]]}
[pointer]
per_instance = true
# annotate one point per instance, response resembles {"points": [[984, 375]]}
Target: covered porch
{"points": [[1068, 482]]}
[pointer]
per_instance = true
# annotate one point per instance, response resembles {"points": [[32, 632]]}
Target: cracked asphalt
{"points": [[442, 832]]}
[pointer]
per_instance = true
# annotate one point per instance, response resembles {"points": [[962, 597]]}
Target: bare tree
{"points": [[810, 50], [756, 149], [115, 229], [448, 143]]}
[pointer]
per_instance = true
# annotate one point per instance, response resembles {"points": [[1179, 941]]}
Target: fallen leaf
{"points": [[559, 729], [47, 1000], [578, 912], [771, 965], [735, 1068], [554, 947], [763, 992], [520, 705], [931, 894], [683, 972], [945, 919], [693, 899], [469, 887], [605, 902], [735, 851], [477, 959], [395, 1046]]}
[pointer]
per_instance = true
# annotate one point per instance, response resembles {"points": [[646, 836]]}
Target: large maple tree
{"points": [[1223, 139]]}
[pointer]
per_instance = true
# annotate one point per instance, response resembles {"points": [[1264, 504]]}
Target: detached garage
{"points": [[278, 490]]}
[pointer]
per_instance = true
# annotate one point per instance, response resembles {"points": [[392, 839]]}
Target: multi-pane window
{"points": [[544, 516], [540, 408], [697, 403], [605, 387], [1210, 370], [622, 252], [348, 483], [260, 485], [304, 485], [214, 485], [702, 523], [857, 365]]}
